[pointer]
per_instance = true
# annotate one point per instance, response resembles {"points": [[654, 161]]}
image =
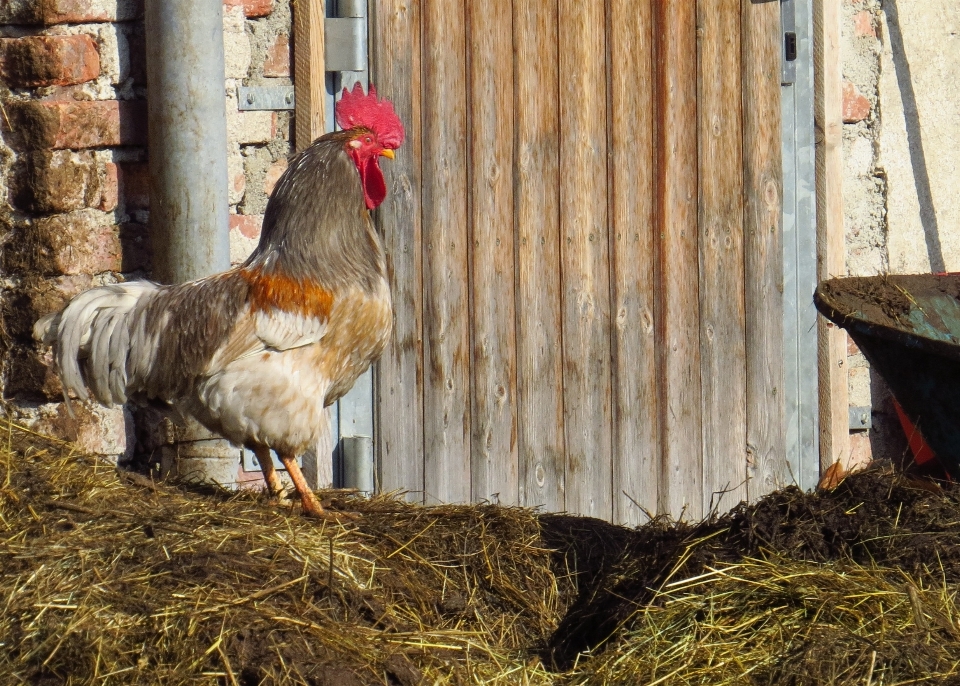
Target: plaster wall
{"points": [[920, 135]]}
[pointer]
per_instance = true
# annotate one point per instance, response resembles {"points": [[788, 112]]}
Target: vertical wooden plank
{"points": [[399, 395], [585, 258], [831, 251], [636, 451], [494, 457], [539, 355], [763, 244], [309, 77], [446, 417], [309, 82], [678, 257], [722, 318]]}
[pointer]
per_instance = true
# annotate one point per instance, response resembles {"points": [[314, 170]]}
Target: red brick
{"points": [[135, 185], [863, 25], [856, 107], [110, 190], [861, 452], [36, 296], [273, 175], [852, 348], [74, 243], [257, 8], [30, 374], [57, 181], [247, 224], [277, 61], [87, 11], [48, 60], [76, 125]]}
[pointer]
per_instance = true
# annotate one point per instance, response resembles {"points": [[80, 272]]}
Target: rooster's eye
{"points": [[368, 139]]}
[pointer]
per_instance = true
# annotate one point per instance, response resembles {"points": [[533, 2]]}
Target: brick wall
{"points": [[74, 185]]}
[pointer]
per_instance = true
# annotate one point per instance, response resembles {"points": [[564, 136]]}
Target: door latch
{"points": [[788, 24]]}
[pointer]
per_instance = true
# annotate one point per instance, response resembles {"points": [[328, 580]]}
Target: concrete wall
{"points": [[74, 185], [901, 67]]}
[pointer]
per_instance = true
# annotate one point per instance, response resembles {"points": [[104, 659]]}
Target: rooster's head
{"points": [[377, 132]]}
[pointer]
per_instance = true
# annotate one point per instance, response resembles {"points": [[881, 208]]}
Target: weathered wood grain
{"points": [[636, 450], [678, 255], [494, 456], [831, 253], [763, 245], [584, 259], [446, 416], [399, 392], [309, 77], [722, 318], [536, 204]]}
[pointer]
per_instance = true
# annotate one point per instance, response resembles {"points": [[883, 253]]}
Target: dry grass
{"points": [[111, 579]]}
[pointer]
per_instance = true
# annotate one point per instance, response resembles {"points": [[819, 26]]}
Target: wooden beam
{"points": [[763, 245], [399, 391], [309, 77], [678, 258], [636, 443], [722, 317], [831, 251], [539, 354]]}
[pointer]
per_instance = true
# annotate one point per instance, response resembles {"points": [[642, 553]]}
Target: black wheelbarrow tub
{"points": [[908, 328]]}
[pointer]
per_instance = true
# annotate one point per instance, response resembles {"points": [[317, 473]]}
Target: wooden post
{"points": [[678, 258], [831, 254], [763, 245], [309, 88], [539, 353], [309, 77], [722, 322], [399, 395], [636, 449]]}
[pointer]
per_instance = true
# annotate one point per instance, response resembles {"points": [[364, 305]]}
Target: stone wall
{"points": [[74, 185]]}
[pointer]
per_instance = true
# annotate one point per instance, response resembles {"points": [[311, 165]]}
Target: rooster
{"points": [[256, 353]]}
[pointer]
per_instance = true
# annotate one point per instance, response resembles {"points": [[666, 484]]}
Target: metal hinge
{"points": [[345, 41], [788, 23]]}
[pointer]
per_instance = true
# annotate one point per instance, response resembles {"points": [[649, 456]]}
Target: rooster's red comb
{"points": [[356, 108]]}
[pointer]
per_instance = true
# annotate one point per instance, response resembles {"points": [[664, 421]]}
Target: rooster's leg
{"points": [[311, 505], [274, 486]]}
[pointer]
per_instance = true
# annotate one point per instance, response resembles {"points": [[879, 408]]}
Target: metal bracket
{"points": [[265, 98], [861, 418], [788, 23], [345, 42]]}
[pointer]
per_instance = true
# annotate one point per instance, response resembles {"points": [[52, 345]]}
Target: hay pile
{"points": [[110, 579]]}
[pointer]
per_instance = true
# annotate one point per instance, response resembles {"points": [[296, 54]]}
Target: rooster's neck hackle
{"points": [[316, 228]]}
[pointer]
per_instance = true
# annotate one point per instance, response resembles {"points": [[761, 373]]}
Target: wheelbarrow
{"points": [[908, 328]]}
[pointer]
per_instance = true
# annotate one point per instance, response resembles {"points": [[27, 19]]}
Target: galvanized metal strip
{"points": [[266, 97]]}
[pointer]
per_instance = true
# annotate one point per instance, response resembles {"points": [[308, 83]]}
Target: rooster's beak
{"points": [[387, 153]]}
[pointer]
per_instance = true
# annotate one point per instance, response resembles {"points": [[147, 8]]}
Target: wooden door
{"points": [[583, 231]]}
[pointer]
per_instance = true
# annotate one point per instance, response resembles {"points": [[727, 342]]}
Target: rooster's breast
{"points": [[277, 397]]}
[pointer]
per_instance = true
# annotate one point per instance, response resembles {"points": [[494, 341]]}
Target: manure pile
{"points": [[108, 578]]}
